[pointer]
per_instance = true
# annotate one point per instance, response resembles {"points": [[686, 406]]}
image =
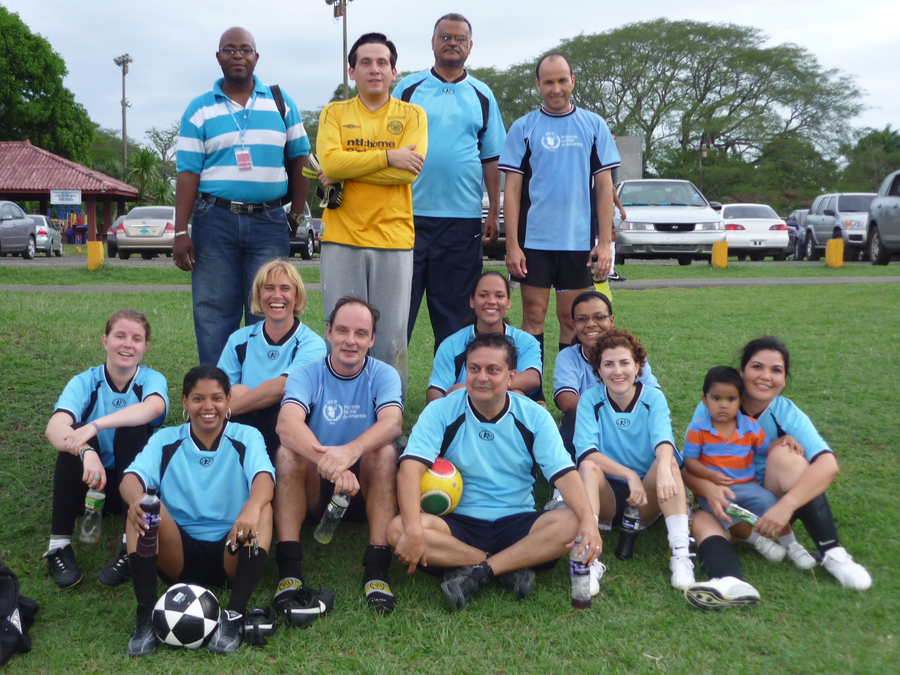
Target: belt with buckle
{"points": [[244, 208]]}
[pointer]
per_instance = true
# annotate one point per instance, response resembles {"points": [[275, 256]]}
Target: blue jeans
{"points": [[229, 249]]}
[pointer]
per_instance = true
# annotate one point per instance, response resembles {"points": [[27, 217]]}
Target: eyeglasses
{"points": [[231, 51], [597, 318], [461, 40]]}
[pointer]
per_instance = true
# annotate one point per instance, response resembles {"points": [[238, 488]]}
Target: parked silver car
{"points": [[18, 234], [883, 223], [305, 241], [666, 219], [49, 240], [838, 216], [148, 230]]}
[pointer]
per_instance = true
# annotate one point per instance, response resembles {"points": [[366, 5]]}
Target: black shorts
{"points": [[356, 512], [492, 536], [204, 562], [622, 492], [562, 270]]}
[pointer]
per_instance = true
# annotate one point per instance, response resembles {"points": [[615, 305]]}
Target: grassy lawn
{"points": [[845, 368], [110, 275]]}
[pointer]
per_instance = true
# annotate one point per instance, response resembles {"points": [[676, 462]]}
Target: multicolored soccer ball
{"points": [[442, 488], [186, 616]]}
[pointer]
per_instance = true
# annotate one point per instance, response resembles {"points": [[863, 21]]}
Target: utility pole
{"points": [[340, 10], [123, 61]]}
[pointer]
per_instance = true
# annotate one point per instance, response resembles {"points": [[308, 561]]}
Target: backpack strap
{"points": [[279, 100]]}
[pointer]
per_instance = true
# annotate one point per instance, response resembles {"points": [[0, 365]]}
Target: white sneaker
{"points": [[598, 569], [718, 594], [841, 566], [800, 556], [682, 571], [770, 550]]}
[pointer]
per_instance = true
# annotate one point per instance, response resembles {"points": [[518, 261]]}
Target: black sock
{"points": [[376, 563], [249, 569], [719, 558], [143, 577], [816, 517], [289, 556], [540, 339]]}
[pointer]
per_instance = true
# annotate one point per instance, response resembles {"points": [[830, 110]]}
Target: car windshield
{"points": [[749, 211], [151, 213], [850, 203], [660, 193]]}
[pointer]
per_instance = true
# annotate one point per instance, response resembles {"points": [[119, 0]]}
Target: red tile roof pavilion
{"points": [[29, 173]]}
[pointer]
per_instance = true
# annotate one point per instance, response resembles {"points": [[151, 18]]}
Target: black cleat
{"points": [[143, 639], [462, 584], [227, 637], [258, 625], [300, 606], [616, 277], [62, 566], [117, 570], [518, 582]]}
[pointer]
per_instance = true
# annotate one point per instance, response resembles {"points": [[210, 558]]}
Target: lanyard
{"points": [[246, 119]]}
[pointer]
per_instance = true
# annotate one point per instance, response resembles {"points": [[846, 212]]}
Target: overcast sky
{"points": [[300, 43]]}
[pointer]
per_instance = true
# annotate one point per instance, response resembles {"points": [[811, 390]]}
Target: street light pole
{"points": [[702, 155], [123, 61], [340, 10]]}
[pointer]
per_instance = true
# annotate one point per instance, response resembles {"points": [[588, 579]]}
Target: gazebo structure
{"points": [[29, 173]]}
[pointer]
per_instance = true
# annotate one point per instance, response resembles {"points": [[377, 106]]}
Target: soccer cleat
{"points": [[723, 593], [62, 566], [117, 570], [770, 550], [143, 639], [616, 277], [379, 596], [682, 571], [800, 556], [840, 565], [518, 582], [462, 584], [227, 637], [258, 625], [556, 502], [598, 569], [299, 605]]}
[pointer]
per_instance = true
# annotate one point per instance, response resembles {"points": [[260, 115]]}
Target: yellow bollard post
{"points": [[834, 253], [95, 255], [720, 255]]}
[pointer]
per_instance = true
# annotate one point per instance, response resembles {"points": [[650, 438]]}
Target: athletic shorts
{"points": [[204, 562], [562, 270], [491, 536], [622, 492], [752, 496]]}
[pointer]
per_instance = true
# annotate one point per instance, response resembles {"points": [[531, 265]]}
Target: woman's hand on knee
{"points": [[666, 485], [638, 495]]}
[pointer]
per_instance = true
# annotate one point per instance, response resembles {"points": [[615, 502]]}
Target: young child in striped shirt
{"points": [[720, 447]]}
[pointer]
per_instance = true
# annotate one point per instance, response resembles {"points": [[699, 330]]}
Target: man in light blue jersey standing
{"points": [[231, 176], [465, 136], [550, 157]]}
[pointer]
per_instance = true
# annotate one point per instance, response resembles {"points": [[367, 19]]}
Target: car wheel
{"points": [[147, 256], [757, 257], [30, 250], [780, 257], [811, 253], [309, 246], [59, 252], [798, 251], [878, 254], [620, 260], [684, 261], [124, 255]]}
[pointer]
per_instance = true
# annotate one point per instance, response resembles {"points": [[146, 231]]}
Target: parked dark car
{"points": [[18, 234], [112, 244], [796, 224], [883, 224]]}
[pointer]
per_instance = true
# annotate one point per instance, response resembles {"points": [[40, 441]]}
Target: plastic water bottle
{"points": [[93, 516], [330, 519], [631, 522], [581, 577], [150, 505]]}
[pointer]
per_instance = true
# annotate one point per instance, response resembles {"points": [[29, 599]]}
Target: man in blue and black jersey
{"points": [[495, 440], [465, 136], [232, 146], [550, 158], [339, 418]]}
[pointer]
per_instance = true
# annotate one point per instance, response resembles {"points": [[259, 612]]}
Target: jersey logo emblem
{"points": [[272, 354], [622, 422], [448, 90], [395, 127], [118, 403], [206, 461], [550, 141], [486, 435], [332, 411]]}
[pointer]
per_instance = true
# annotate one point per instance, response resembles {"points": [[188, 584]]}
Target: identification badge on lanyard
{"points": [[244, 162]]}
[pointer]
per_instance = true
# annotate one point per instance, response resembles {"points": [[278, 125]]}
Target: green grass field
{"points": [[845, 376]]}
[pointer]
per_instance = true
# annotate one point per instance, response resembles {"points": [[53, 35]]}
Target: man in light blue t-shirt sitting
{"points": [[339, 419], [495, 439]]}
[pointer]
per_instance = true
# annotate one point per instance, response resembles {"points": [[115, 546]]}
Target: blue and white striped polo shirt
{"points": [[209, 135]]}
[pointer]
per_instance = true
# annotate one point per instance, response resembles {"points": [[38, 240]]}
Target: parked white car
{"points": [[755, 230], [666, 219]]}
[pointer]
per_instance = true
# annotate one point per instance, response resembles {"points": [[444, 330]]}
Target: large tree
{"points": [[34, 104], [164, 142], [875, 154]]}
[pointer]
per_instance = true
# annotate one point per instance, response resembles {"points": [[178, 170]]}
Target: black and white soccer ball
{"points": [[186, 616]]}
